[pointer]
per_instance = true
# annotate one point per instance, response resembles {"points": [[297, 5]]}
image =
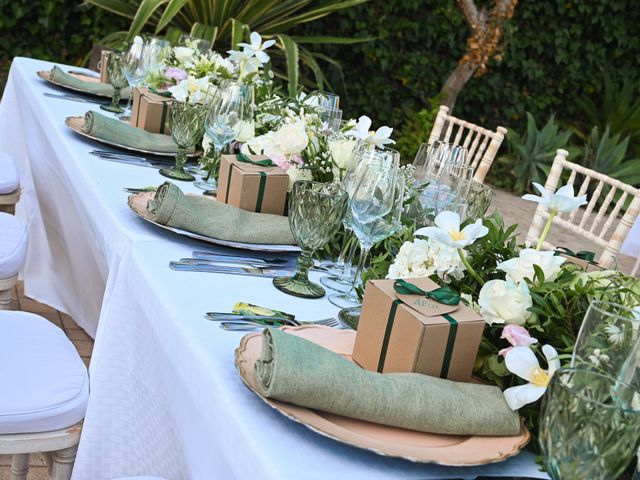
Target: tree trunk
{"points": [[482, 45]]}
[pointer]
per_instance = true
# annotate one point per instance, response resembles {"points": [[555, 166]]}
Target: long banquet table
{"points": [[166, 399]]}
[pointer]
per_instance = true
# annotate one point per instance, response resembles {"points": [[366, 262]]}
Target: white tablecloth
{"points": [[165, 397]]}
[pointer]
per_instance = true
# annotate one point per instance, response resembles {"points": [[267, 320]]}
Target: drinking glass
{"points": [[375, 207], [225, 119], [135, 68], [315, 212], [589, 425], [362, 157], [606, 338], [479, 200], [155, 52], [431, 161], [187, 127], [331, 120], [117, 80]]}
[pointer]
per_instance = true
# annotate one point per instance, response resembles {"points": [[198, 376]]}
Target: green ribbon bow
{"points": [[443, 295], [241, 157], [585, 255]]}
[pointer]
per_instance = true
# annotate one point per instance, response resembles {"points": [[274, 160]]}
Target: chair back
{"points": [[482, 145], [607, 218]]}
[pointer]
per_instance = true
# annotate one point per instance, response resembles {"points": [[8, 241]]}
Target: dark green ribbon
{"points": [[263, 182], [387, 334], [585, 255], [241, 157], [443, 295], [163, 117], [451, 341]]}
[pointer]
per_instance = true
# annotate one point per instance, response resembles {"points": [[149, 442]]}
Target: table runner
{"points": [[165, 397]]}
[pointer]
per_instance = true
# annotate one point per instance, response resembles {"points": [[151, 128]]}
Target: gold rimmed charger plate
{"points": [[46, 75], [138, 205], [76, 123], [449, 450]]}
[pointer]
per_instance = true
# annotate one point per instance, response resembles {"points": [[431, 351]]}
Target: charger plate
{"points": [[138, 205], [76, 123], [449, 450], [46, 75]]}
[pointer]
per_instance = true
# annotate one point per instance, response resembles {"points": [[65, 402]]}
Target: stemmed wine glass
{"points": [[227, 113], [375, 207], [135, 67], [362, 157], [315, 212], [187, 127], [117, 79], [155, 52]]}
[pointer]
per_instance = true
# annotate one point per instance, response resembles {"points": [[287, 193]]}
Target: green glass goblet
{"points": [[589, 425], [315, 213], [187, 128], [118, 81]]}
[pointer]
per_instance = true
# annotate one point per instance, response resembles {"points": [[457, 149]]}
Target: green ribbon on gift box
{"points": [[585, 255], [241, 157], [443, 295]]}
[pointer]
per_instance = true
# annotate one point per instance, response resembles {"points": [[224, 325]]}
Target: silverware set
{"points": [[73, 98], [131, 159], [240, 323]]}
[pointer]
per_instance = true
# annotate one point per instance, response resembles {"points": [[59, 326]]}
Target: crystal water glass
{"points": [[226, 117], [478, 200], [315, 212], [375, 207], [589, 425], [135, 69], [187, 127], [155, 52], [362, 157], [117, 79], [606, 338]]}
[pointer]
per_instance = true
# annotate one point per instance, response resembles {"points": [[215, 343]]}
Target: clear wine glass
{"points": [[375, 208], [362, 156], [117, 80], [156, 51], [224, 121], [135, 69]]}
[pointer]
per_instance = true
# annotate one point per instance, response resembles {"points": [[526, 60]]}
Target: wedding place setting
{"points": [[277, 290]]}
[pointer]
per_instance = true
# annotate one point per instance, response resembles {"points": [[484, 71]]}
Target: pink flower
{"points": [[176, 74], [281, 161], [297, 159], [517, 336]]}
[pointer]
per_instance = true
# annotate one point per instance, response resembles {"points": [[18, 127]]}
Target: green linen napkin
{"points": [[198, 214], [123, 133], [96, 88], [295, 370]]}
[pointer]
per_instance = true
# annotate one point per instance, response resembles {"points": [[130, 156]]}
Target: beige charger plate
{"points": [[76, 123], [449, 450], [46, 75], [138, 205]]}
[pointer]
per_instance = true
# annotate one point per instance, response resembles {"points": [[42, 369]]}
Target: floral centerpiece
{"points": [[533, 301]]}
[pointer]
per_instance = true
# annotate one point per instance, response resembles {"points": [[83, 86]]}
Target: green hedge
{"points": [[555, 51], [58, 30]]}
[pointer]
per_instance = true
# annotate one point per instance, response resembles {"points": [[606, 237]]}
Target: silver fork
{"points": [[247, 325]]}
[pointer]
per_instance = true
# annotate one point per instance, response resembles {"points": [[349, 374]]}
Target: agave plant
{"points": [[607, 154], [531, 155], [227, 22]]}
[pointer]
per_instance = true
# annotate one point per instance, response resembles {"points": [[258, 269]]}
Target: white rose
{"points": [[246, 131], [522, 266], [295, 173], [184, 55], [505, 302], [341, 151], [291, 139], [258, 145]]}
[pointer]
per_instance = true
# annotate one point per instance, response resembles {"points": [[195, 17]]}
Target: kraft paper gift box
{"points": [[150, 111], [412, 333], [252, 183], [583, 259], [104, 59]]}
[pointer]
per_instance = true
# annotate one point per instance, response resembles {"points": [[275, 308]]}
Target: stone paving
{"points": [[513, 209]]}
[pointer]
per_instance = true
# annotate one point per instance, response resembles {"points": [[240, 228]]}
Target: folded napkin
{"points": [[295, 370], [123, 133], [97, 88], [202, 215]]}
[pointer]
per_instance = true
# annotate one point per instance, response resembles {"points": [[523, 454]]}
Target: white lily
{"points": [[562, 201], [247, 62], [362, 131], [257, 47], [447, 230], [522, 266], [523, 362]]}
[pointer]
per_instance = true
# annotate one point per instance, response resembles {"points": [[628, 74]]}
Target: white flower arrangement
{"points": [[191, 90], [423, 258]]}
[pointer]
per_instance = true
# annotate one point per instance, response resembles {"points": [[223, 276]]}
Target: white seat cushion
{"points": [[44, 381], [9, 180], [140, 478], [13, 245]]}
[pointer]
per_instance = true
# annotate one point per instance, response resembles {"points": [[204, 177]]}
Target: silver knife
{"points": [[73, 98], [251, 271]]}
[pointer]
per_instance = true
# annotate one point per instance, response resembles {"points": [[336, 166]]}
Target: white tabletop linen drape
{"points": [[165, 399]]}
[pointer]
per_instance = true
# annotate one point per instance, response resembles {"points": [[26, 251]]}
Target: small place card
{"points": [[426, 306]]}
